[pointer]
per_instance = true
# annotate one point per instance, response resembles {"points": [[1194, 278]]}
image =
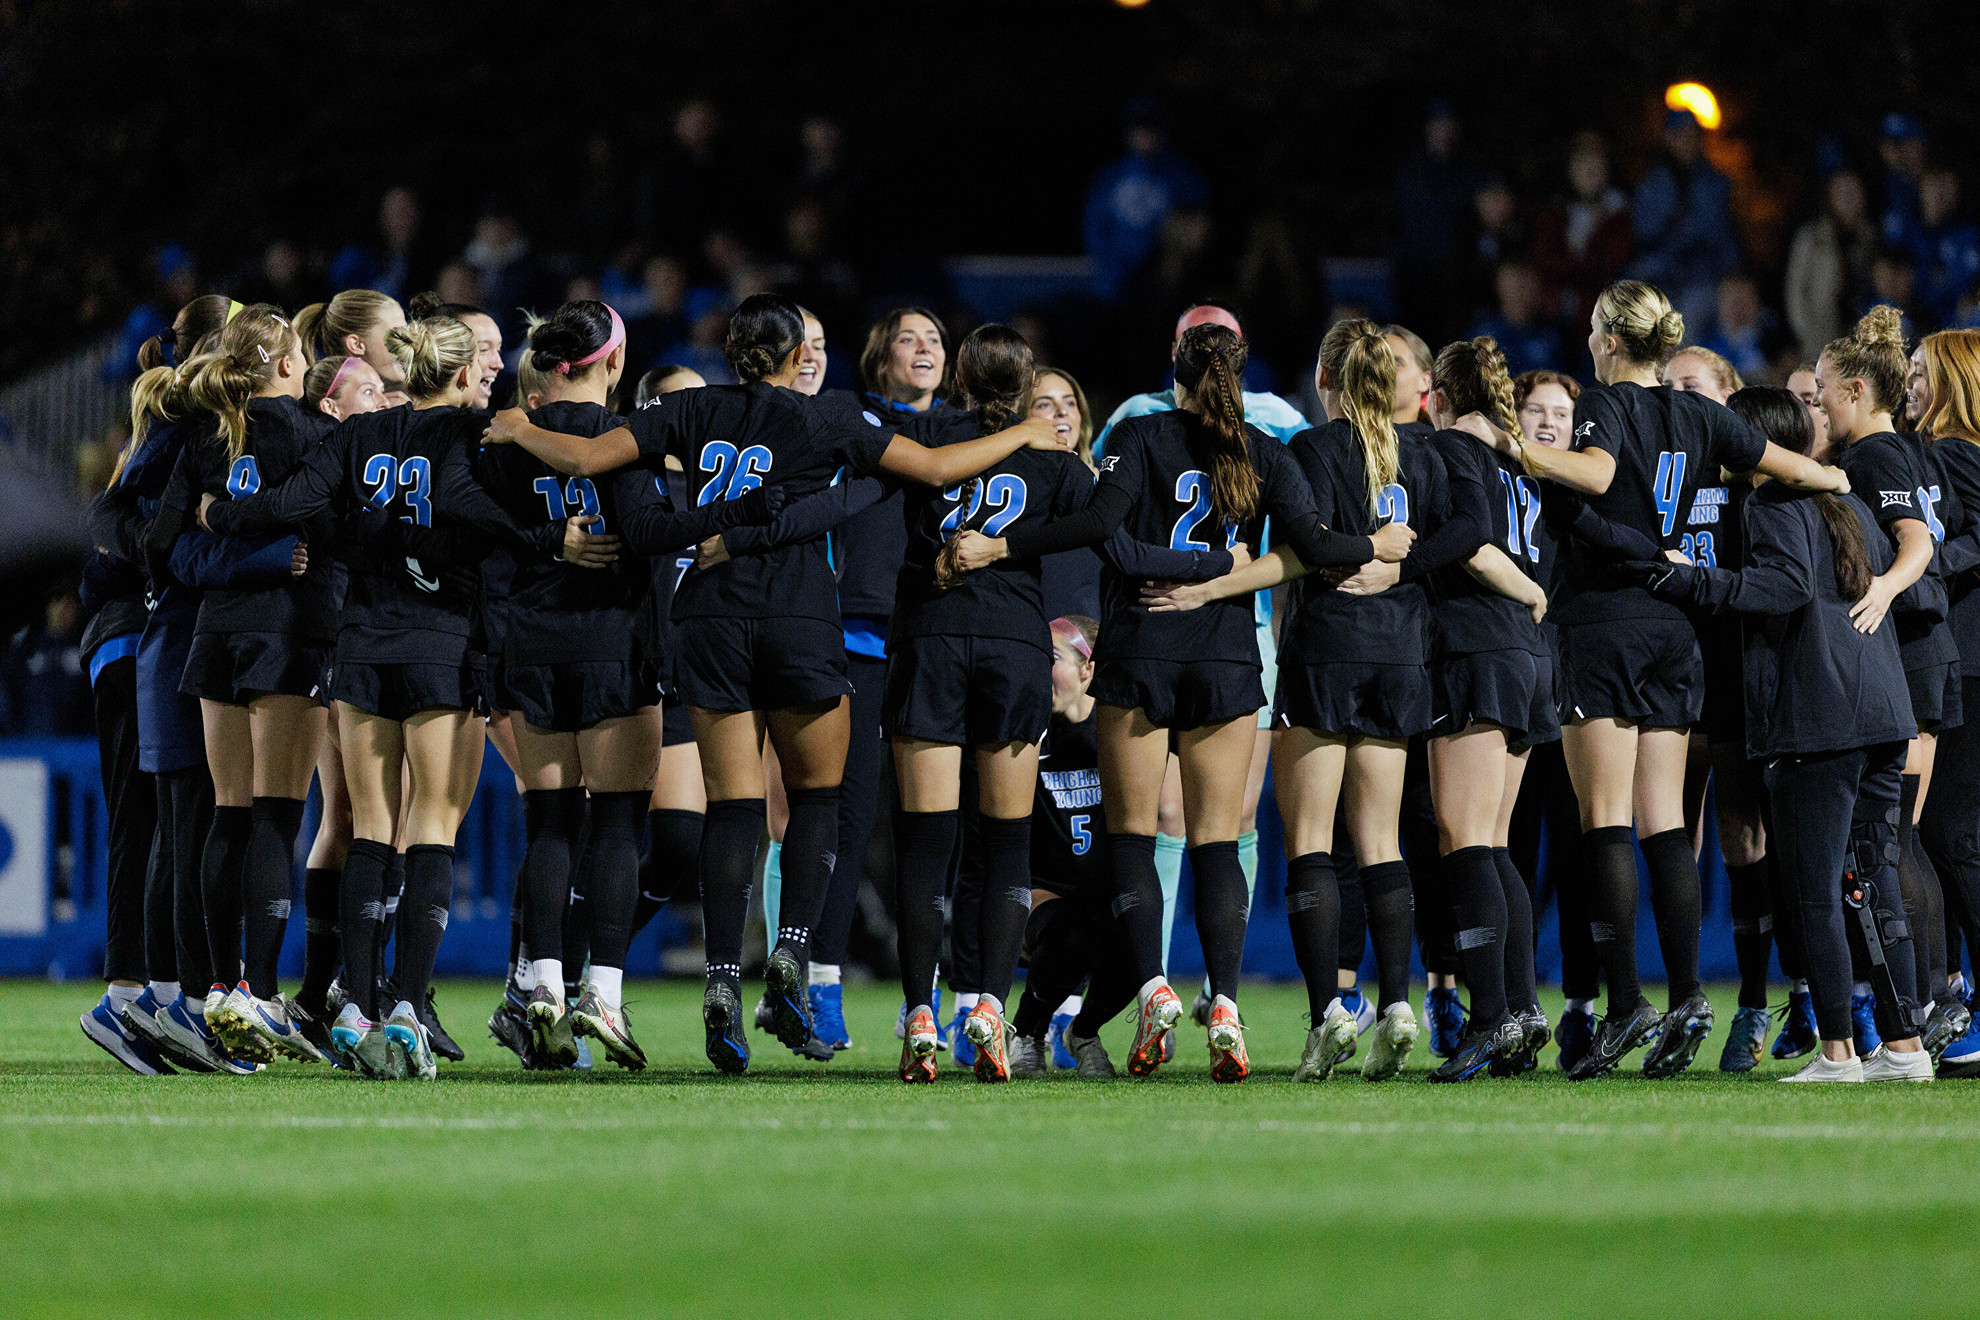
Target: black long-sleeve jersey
{"points": [[1391, 627], [1469, 615], [1899, 481], [1958, 462], [1069, 823], [1813, 683], [1155, 481], [281, 439], [558, 612], [732, 439], [868, 548], [1006, 599], [414, 463], [1666, 444]]}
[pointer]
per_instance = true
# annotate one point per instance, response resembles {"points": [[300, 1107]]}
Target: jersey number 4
{"points": [[1193, 489], [411, 479], [1668, 489], [737, 472]]}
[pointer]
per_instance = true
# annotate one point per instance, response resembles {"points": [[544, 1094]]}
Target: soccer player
{"points": [[760, 637], [1198, 478]]}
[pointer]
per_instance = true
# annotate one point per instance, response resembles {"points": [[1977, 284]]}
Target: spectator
{"points": [[43, 690], [498, 254], [1903, 151], [280, 279], [1131, 200], [1433, 197], [1746, 330], [1828, 266], [1498, 235], [1581, 239], [457, 283], [659, 320], [1892, 281], [693, 189], [1946, 255], [822, 174], [1529, 343], [1681, 223], [175, 282], [809, 272], [393, 267]]}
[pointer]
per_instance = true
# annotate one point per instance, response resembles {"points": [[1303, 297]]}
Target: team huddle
{"points": [[693, 618]]}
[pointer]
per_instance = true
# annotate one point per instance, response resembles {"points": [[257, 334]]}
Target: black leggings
{"points": [[132, 804], [1828, 805], [185, 815], [1064, 939], [1950, 827], [1546, 798], [859, 808]]}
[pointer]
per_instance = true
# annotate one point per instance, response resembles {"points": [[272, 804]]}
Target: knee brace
{"points": [[1872, 853]]}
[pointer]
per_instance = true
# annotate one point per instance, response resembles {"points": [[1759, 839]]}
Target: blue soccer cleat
{"points": [[1797, 1036], [1055, 1040], [1575, 1034], [1962, 1057], [960, 1047], [1447, 1021], [104, 1025], [828, 1015], [1863, 1022]]}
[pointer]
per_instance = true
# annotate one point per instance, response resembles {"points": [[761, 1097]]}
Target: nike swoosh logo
{"points": [[273, 1025], [418, 571]]}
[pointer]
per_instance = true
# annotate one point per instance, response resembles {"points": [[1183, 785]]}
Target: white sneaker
{"points": [[1395, 1036], [1821, 1069], [1884, 1066]]}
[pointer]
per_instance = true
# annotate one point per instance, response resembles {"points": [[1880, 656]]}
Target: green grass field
{"points": [[835, 1191]]}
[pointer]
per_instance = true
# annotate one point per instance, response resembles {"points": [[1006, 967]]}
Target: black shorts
{"points": [[564, 698], [399, 692], [1354, 700], [1513, 689], [1180, 694], [1723, 715], [966, 691], [1935, 697], [675, 726], [731, 665], [1644, 670], [235, 667]]}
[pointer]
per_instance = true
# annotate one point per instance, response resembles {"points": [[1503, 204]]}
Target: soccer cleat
{"points": [[443, 1044], [233, 1025], [1169, 1045], [1947, 1023], [1027, 1056], [583, 1063], [1229, 1061], [815, 1050], [1055, 1042], [509, 1025], [1090, 1058], [1679, 1036], [761, 1017], [183, 1030], [1156, 1013], [105, 1028], [1962, 1057], [721, 1024], [275, 1023], [1745, 1040], [316, 1031], [1576, 1036], [611, 1028], [988, 1032], [918, 1037], [550, 1024], [146, 1019], [828, 1015], [1820, 1069], [1534, 1035], [215, 999], [364, 1046], [1797, 1034], [1363, 1013], [406, 1034], [1446, 1017], [1615, 1037], [1884, 1065], [1327, 1043], [1199, 1010], [790, 1007], [1482, 1048], [1863, 1023], [955, 1039], [1395, 1036]]}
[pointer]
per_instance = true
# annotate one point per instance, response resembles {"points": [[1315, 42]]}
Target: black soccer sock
{"points": [[1353, 923], [1060, 941], [615, 830], [428, 898], [516, 925], [551, 817], [672, 865], [1481, 931], [1520, 975], [220, 888], [1223, 911], [1313, 911], [965, 890], [361, 911], [811, 849], [923, 842], [192, 821], [1676, 900], [1753, 930], [1138, 902], [577, 917], [322, 943], [1923, 897], [161, 959], [728, 865], [1006, 902], [1113, 986], [1581, 966], [1612, 888], [1392, 923], [395, 890]]}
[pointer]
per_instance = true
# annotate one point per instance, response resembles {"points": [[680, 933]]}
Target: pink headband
{"points": [[1066, 629], [338, 379], [617, 337]]}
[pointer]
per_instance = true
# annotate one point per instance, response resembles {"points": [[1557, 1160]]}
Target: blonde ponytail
{"points": [[1360, 368]]}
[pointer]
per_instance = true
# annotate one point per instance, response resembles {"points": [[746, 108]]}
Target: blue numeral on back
{"points": [[1669, 486]]}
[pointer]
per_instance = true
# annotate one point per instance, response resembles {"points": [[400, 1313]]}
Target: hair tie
{"points": [[1069, 632], [233, 310], [612, 341]]}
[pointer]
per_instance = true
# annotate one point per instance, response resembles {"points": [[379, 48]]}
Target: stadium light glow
{"points": [[1695, 97], [1130, 4]]}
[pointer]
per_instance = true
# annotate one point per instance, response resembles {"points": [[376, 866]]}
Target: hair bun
{"points": [[1881, 325], [1670, 328]]}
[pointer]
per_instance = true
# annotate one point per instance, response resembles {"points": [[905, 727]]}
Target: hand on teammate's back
{"points": [[584, 549]]}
